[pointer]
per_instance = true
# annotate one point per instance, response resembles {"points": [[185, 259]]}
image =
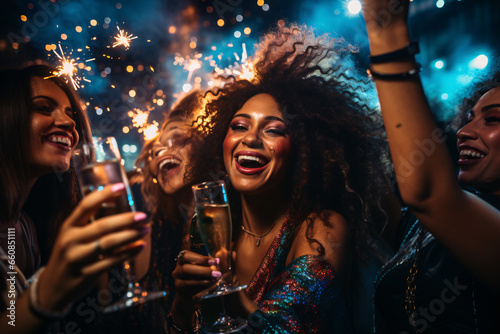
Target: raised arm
{"points": [[466, 225]]}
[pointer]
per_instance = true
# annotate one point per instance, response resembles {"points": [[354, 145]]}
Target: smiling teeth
{"points": [[61, 140], [472, 154], [169, 161], [241, 158]]}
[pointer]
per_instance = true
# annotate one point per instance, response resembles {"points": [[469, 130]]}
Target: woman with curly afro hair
{"points": [[304, 162]]}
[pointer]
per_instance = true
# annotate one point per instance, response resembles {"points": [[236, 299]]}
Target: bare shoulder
{"points": [[329, 237]]}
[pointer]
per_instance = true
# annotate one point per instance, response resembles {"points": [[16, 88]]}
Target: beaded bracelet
{"points": [[396, 76], [408, 51], [170, 324], [35, 307]]}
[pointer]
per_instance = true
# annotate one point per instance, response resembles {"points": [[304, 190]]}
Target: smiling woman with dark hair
{"points": [[304, 161], [445, 275], [41, 122]]}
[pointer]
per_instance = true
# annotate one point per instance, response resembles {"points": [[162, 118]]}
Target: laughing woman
{"points": [[166, 190], [41, 121], [445, 277], [303, 160]]}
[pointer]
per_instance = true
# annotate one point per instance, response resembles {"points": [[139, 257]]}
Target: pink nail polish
{"points": [[117, 187], [217, 260], [140, 216], [216, 274]]}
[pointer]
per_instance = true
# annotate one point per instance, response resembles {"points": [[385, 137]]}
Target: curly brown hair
{"points": [[186, 107], [338, 157], [481, 88]]}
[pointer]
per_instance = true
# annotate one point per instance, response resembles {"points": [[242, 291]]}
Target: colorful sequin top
{"points": [[304, 296]]}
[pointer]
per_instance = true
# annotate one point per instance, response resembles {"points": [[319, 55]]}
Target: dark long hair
{"points": [[338, 143], [54, 195]]}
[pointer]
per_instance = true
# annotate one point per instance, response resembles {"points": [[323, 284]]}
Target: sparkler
{"points": [[140, 121], [68, 68], [123, 38]]}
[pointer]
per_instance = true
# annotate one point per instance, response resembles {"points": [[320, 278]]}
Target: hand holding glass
{"points": [[99, 164], [214, 223]]}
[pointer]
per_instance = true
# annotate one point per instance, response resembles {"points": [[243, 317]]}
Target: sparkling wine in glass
{"points": [[99, 164], [214, 223]]}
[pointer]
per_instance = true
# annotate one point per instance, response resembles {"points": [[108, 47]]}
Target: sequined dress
{"points": [[304, 296]]}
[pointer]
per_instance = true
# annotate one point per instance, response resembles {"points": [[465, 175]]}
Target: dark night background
{"points": [[452, 35]]}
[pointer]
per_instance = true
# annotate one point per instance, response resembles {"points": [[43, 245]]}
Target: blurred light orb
{"points": [[237, 34], [239, 18], [98, 111], [133, 148], [439, 64], [126, 148], [479, 63], [265, 7], [440, 3], [354, 7], [444, 96], [186, 87]]}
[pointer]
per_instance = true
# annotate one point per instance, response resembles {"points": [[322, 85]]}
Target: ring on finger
{"points": [[98, 249], [180, 258]]}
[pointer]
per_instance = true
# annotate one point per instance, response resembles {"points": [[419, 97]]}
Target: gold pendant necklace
{"points": [[261, 236]]}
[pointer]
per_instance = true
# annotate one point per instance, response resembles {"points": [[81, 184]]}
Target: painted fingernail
{"points": [[216, 274], [145, 230], [118, 187], [140, 216], [213, 261]]}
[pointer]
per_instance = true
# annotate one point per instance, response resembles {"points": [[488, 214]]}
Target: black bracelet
{"points": [[408, 51], [396, 76]]}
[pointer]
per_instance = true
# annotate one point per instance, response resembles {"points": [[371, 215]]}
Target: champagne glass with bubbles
{"points": [[99, 164], [214, 224]]}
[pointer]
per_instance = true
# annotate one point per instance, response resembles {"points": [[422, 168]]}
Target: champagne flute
{"points": [[99, 164], [214, 223]]}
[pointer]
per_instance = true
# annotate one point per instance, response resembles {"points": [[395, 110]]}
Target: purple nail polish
{"points": [[145, 230], [216, 274]]}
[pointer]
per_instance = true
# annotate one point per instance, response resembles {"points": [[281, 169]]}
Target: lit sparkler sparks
{"points": [[140, 121], [68, 68], [123, 38]]}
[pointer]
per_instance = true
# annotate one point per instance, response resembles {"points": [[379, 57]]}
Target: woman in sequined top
{"points": [[303, 161], [445, 277]]}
